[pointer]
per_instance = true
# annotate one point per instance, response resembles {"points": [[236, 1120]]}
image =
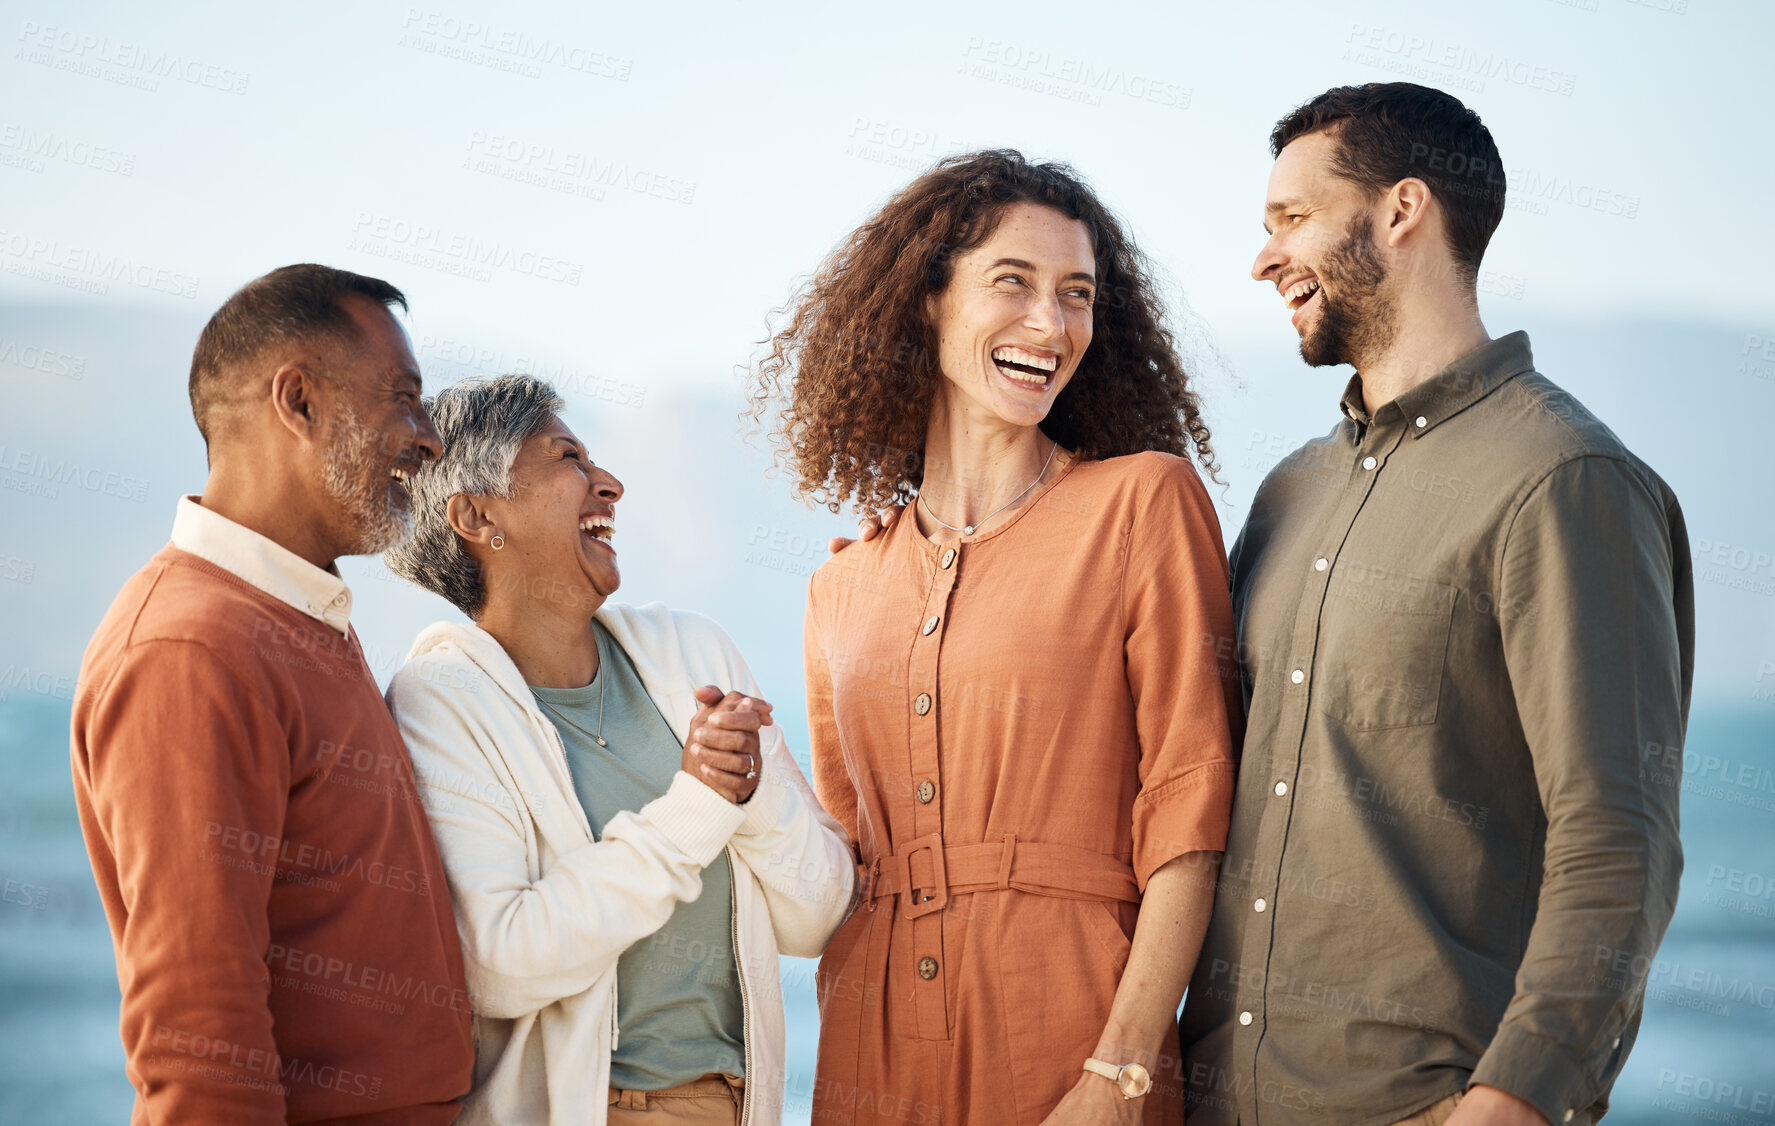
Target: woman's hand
{"points": [[867, 530], [722, 751], [1142, 1024], [1491, 1106], [1095, 1101]]}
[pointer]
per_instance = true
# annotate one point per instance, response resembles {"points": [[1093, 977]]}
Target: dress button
{"points": [[927, 967], [930, 625], [1568, 1115], [1297, 676], [1368, 463], [922, 704], [1321, 563], [1260, 905], [926, 791], [948, 558], [1422, 422], [1244, 1018], [1281, 788]]}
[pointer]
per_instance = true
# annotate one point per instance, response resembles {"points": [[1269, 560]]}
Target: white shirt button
{"points": [[1281, 788], [1259, 905], [1422, 422], [1244, 1018], [1297, 676], [1368, 463], [1321, 563]]}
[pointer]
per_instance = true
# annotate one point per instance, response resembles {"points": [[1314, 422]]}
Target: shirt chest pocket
{"points": [[1383, 647]]}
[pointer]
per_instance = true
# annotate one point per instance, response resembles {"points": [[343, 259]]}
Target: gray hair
{"points": [[482, 421]]}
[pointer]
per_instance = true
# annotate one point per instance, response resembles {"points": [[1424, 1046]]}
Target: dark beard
{"points": [[1355, 322]]}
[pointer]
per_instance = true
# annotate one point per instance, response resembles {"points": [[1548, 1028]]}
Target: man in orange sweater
{"points": [[284, 936]]}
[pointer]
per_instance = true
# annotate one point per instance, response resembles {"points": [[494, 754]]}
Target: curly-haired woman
{"points": [[1021, 696]]}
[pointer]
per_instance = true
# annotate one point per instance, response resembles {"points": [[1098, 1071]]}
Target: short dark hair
{"points": [[1391, 131], [292, 304]]}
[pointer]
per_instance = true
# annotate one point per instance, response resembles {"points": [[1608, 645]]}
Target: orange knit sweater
{"points": [[284, 936]]}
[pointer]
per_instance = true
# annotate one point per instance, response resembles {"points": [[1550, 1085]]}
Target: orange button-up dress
{"points": [[1016, 730]]}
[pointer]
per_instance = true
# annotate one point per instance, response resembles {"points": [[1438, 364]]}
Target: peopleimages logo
{"points": [[118, 60], [506, 48], [426, 245], [92, 268], [39, 474], [34, 147]]}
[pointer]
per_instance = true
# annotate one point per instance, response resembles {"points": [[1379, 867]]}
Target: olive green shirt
{"points": [[1466, 634]]}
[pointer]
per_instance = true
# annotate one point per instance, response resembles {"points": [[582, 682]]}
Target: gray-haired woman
{"points": [[628, 842]]}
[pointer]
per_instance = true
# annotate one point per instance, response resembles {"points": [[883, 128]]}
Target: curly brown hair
{"points": [[857, 364]]}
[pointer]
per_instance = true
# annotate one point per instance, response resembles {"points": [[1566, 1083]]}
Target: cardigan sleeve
{"points": [[529, 942]]}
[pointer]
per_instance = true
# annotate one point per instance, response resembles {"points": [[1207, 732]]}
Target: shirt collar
{"points": [[276, 570], [1448, 392]]}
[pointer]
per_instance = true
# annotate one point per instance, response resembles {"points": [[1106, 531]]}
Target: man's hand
{"points": [[867, 530], [1489, 1106], [723, 746], [1096, 1101]]}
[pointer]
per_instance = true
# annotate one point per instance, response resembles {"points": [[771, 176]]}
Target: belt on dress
{"points": [[925, 872]]}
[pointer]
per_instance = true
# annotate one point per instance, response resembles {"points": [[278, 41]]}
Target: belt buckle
{"points": [[912, 906]]}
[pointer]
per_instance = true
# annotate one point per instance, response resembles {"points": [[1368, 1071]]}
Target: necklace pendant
{"points": [[600, 740], [968, 531]]}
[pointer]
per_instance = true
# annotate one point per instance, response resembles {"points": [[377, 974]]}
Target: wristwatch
{"points": [[1133, 1079]]}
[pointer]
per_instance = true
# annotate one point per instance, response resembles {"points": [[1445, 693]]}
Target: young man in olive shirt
{"points": [[1465, 618]]}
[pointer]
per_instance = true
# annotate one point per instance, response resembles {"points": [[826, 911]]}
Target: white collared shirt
{"points": [[276, 570]]}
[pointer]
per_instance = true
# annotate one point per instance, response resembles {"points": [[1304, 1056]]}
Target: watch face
{"points": [[1134, 1080]]}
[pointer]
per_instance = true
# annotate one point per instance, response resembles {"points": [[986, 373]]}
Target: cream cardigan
{"points": [[544, 910]]}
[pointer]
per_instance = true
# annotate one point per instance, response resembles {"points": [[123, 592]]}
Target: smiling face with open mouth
{"points": [[377, 434], [1015, 319], [1322, 258], [559, 523]]}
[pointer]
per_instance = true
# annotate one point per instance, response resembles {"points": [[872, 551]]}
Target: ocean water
{"points": [[1706, 1051]]}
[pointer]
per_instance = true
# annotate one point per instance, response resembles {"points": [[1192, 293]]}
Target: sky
{"points": [[619, 197]]}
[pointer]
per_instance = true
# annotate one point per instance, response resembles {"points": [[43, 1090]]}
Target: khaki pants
{"points": [[1433, 1115], [713, 1100]]}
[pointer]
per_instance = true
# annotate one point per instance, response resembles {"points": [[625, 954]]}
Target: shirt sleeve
{"points": [[190, 777], [1595, 651], [832, 780], [1178, 631]]}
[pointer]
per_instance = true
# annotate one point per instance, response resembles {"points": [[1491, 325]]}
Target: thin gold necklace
{"points": [[602, 681], [969, 530]]}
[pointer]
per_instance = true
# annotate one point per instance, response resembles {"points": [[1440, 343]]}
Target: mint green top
{"points": [[677, 991]]}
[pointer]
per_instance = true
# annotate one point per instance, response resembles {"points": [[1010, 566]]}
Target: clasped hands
{"points": [[722, 751]]}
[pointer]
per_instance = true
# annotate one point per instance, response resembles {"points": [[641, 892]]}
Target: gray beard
{"points": [[358, 482]]}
